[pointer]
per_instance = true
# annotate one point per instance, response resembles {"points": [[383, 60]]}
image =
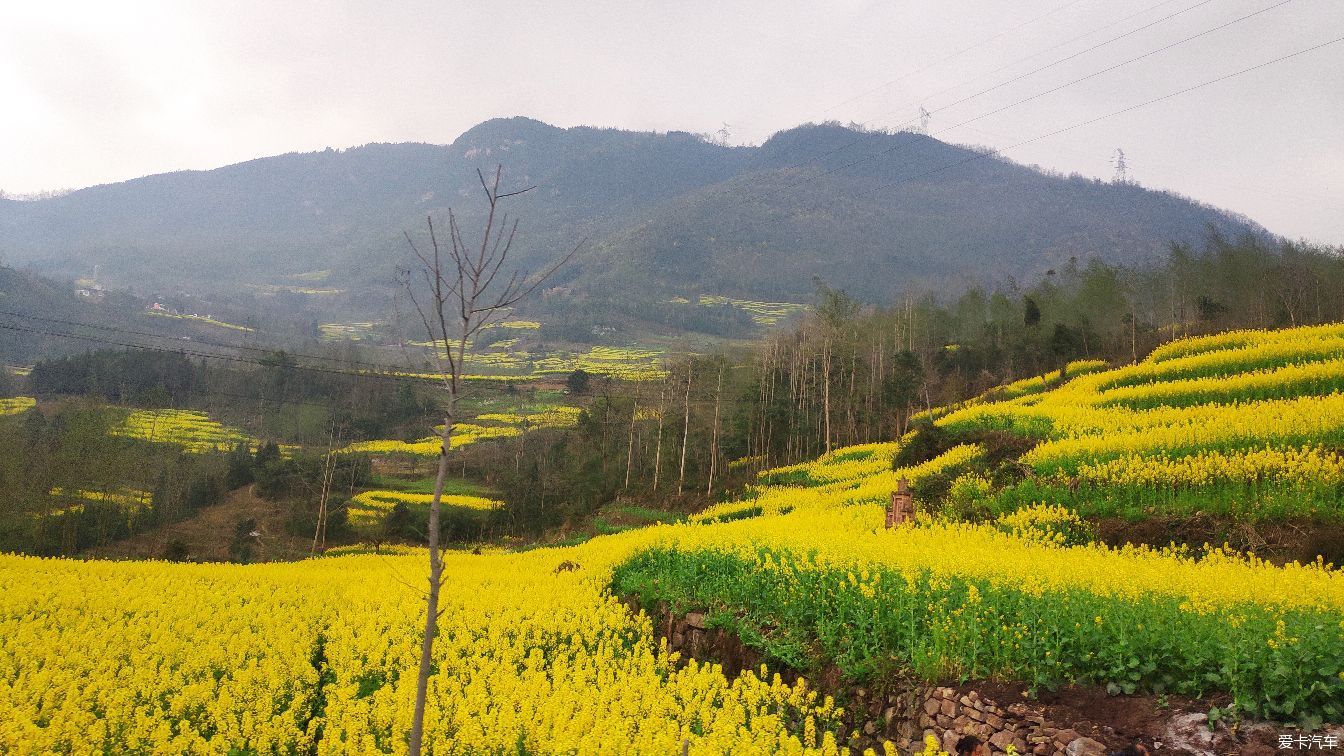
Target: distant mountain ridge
{"points": [[663, 214]]}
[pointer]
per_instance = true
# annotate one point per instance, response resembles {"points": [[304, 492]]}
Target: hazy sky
{"points": [[98, 91]]}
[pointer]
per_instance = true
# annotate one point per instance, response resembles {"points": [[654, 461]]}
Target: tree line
{"points": [[849, 374]]}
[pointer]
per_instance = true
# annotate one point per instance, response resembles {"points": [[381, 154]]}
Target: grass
{"points": [[451, 486]]}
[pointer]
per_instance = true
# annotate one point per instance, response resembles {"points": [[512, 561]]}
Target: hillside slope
{"points": [[661, 213], [320, 652]]}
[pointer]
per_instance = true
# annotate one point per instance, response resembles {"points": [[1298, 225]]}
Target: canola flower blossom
{"points": [[1306, 464], [370, 507], [16, 405], [319, 656], [1230, 394], [491, 425], [191, 430], [528, 653]]}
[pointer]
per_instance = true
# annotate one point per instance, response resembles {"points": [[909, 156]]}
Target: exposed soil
{"points": [[208, 535], [1301, 540]]}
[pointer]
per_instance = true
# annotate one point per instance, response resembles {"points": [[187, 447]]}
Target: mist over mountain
{"points": [[662, 215]]}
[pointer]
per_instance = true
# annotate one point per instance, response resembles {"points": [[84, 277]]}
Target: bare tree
{"points": [[469, 290]]}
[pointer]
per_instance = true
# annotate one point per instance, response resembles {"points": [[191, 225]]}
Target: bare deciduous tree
{"points": [[462, 294]]}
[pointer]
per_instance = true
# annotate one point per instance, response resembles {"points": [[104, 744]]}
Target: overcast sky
{"points": [[94, 92]]}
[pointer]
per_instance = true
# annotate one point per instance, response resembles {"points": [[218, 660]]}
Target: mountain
{"points": [[662, 214]]}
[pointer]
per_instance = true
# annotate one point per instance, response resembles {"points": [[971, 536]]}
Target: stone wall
{"points": [[905, 713]]}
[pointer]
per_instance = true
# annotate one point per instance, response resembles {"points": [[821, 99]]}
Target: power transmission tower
{"points": [[1121, 167], [924, 116]]}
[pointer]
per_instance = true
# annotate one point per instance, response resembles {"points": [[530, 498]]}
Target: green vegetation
{"points": [[885, 620]]}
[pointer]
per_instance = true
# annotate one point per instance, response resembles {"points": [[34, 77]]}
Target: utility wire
{"points": [[1112, 114], [1097, 46], [205, 355], [953, 56], [1052, 90]]}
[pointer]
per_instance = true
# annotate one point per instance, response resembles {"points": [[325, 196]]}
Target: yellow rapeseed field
{"points": [[536, 655]]}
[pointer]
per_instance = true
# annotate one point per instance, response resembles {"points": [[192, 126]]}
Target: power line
{"points": [[1112, 114], [1052, 90], [953, 56], [203, 355], [194, 340], [1097, 46]]}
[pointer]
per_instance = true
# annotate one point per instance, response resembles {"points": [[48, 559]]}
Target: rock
{"points": [[994, 721], [1064, 737], [888, 714], [860, 693], [931, 706], [925, 720], [949, 708], [966, 701], [1189, 733], [978, 716], [1018, 709], [1085, 747], [1000, 740], [1040, 749], [1019, 744], [870, 729], [696, 620]]}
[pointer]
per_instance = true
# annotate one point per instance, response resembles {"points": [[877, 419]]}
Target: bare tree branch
{"points": [[456, 313]]}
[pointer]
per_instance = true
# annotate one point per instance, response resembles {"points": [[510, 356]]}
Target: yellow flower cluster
{"points": [[351, 331], [1037, 384], [1307, 464], [320, 656], [501, 425], [370, 506], [1099, 433], [193, 431], [1230, 340], [623, 363], [1231, 392], [762, 313], [130, 499], [217, 658], [15, 405], [843, 482], [1043, 523], [845, 464]]}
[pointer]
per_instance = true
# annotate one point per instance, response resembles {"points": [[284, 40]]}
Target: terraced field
{"points": [[485, 426], [538, 655]]}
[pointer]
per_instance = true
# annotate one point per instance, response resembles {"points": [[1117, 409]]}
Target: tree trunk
{"points": [[714, 445], [658, 448], [826, 391], [685, 432], [630, 445], [432, 600]]}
